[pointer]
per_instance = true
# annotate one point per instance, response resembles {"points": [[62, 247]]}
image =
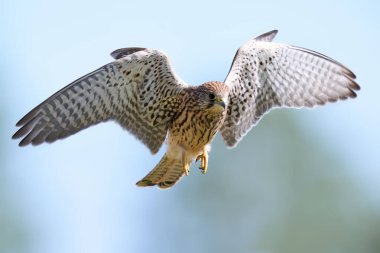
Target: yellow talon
{"points": [[186, 169], [185, 165], [204, 161]]}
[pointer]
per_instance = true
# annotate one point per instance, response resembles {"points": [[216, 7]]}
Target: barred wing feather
{"points": [[265, 75], [131, 90]]}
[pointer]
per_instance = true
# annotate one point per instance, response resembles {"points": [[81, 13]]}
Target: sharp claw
{"points": [[186, 169], [185, 165], [203, 166]]}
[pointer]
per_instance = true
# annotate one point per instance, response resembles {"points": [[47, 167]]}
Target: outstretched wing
{"points": [[136, 90], [265, 75]]}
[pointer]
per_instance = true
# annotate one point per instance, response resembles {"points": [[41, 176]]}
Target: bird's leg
{"points": [[204, 160], [185, 164]]}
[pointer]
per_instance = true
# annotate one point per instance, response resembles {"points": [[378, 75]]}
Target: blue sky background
{"points": [[78, 195]]}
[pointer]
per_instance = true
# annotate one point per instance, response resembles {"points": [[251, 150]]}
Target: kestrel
{"points": [[141, 92]]}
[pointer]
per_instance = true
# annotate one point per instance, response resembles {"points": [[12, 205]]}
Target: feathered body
{"points": [[201, 114]]}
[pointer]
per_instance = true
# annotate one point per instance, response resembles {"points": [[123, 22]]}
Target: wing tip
{"points": [[352, 94], [144, 183], [348, 72], [354, 85], [18, 135], [24, 142], [268, 36], [27, 118], [121, 52]]}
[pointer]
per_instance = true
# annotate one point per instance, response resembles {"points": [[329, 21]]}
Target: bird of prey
{"points": [[141, 92]]}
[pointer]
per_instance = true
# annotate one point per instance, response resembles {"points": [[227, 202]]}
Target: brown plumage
{"points": [[141, 92], [201, 113]]}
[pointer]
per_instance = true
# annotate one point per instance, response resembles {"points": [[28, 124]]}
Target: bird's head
{"points": [[212, 96]]}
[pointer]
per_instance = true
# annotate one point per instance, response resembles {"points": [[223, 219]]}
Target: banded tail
{"points": [[166, 173]]}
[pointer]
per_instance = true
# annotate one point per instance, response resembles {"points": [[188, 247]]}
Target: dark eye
{"points": [[211, 96]]}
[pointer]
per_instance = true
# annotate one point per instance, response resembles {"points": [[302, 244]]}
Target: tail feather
{"points": [[166, 173]]}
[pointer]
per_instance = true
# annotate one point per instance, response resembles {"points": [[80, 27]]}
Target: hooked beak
{"points": [[219, 101]]}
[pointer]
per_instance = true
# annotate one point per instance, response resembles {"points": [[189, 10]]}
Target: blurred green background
{"points": [[301, 181]]}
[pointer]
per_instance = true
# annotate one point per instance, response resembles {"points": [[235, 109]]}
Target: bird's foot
{"points": [[185, 165], [186, 168], [204, 162]]}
